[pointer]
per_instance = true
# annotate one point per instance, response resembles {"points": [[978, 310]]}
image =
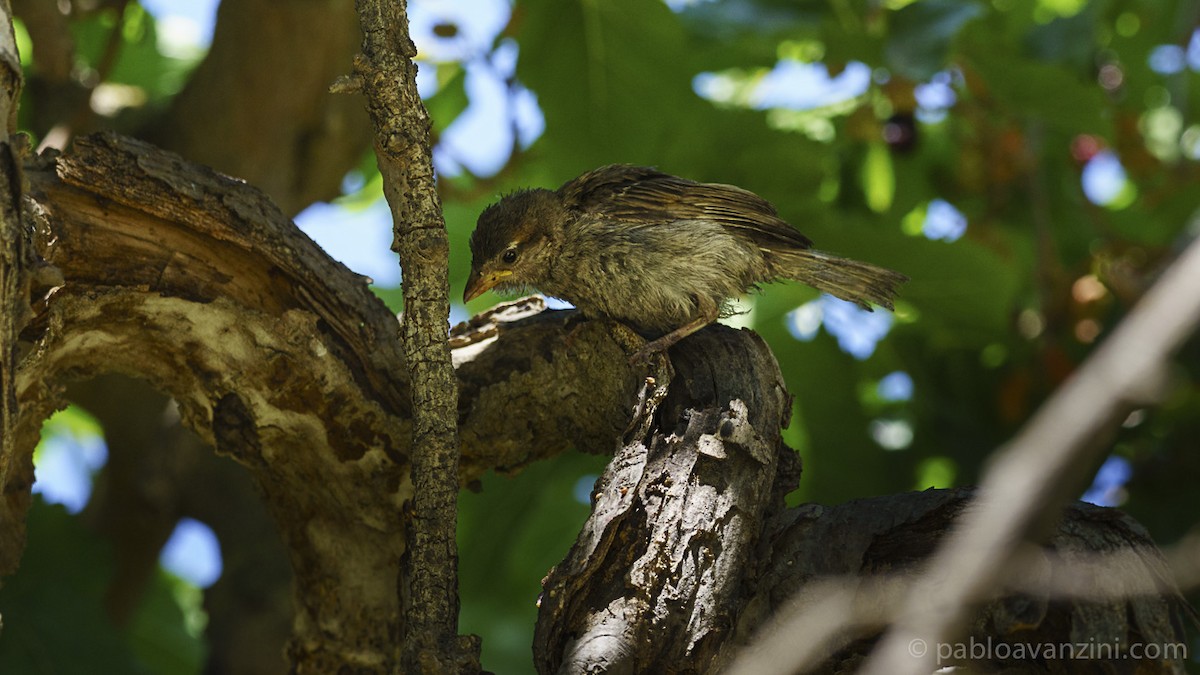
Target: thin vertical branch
{"points": [[386, 75], [14, 300]]}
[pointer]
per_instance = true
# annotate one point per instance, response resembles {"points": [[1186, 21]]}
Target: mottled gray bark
{"points": [[657, 577], [284, 361]]}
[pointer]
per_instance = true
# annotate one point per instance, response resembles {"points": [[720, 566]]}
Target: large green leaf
{"points": [[1051, 93], [921, 34], [613, 79]]}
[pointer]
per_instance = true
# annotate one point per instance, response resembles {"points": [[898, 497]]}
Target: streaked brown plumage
{"points": [[658, 252]]}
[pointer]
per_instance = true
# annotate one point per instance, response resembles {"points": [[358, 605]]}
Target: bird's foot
{"points": [[662, 344], [642, 356]]}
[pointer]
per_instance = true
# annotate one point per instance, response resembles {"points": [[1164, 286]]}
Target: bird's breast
{"points": [[653, 277]]}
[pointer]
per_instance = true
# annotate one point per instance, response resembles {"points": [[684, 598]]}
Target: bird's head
{"points": [[515, 242]]}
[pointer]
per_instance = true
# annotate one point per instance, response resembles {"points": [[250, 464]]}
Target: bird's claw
{"points": [[642, 356]]}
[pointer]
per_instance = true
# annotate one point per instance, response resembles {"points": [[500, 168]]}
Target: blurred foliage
{"points": [[53, 611], [122, 73], [989, 325]]}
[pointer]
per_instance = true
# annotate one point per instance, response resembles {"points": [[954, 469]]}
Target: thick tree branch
{"points": [[121, 218], [657, 575], [833, 577], [284, 360]]}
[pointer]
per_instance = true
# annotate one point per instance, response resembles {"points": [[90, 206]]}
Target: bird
{"points": [[659, 253]]}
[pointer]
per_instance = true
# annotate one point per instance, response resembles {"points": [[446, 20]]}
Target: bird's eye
{"points": [[510, 256]]}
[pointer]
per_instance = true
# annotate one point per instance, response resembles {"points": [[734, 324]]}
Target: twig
{"points": [[388, 80], [1027, 475]]}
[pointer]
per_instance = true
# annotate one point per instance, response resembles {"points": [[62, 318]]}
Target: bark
{"points": [[657, 575], [129, 260], [388, 80], [16, 272], [284, 361], [831, 578]]}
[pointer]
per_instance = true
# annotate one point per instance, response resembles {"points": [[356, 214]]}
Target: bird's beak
{"points": [[478, 284]]}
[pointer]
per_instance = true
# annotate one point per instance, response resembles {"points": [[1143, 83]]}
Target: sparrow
{"points": [[659, 253]]}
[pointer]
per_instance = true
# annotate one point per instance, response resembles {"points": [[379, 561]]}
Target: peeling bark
{"points": [[657, 575], [283, 360]]}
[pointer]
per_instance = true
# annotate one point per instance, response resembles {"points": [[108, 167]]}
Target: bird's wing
{"points": [[644, 196]]}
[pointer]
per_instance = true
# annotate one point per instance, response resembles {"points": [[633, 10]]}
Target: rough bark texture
{"points": [[128, 260], [656, 576], [1099, 578], [16, 268], [284, 361], [166, 258], [388, 79]]}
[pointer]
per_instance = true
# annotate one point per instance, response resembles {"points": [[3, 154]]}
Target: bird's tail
{"points": [[859, 282]]}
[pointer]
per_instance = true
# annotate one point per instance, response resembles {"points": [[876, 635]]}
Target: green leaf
{"points": [[596, 67], [921, 34], [451, 98], [878, 177], [1030, 89]]}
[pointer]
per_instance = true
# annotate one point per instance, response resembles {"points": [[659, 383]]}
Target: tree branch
{"points": [[285, 361], [834, 577], [403, 150], [656, 577], [16, 270], [1032, 474]]}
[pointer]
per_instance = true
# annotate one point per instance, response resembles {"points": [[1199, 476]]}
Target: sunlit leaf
{"points": [[878, 178]]}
